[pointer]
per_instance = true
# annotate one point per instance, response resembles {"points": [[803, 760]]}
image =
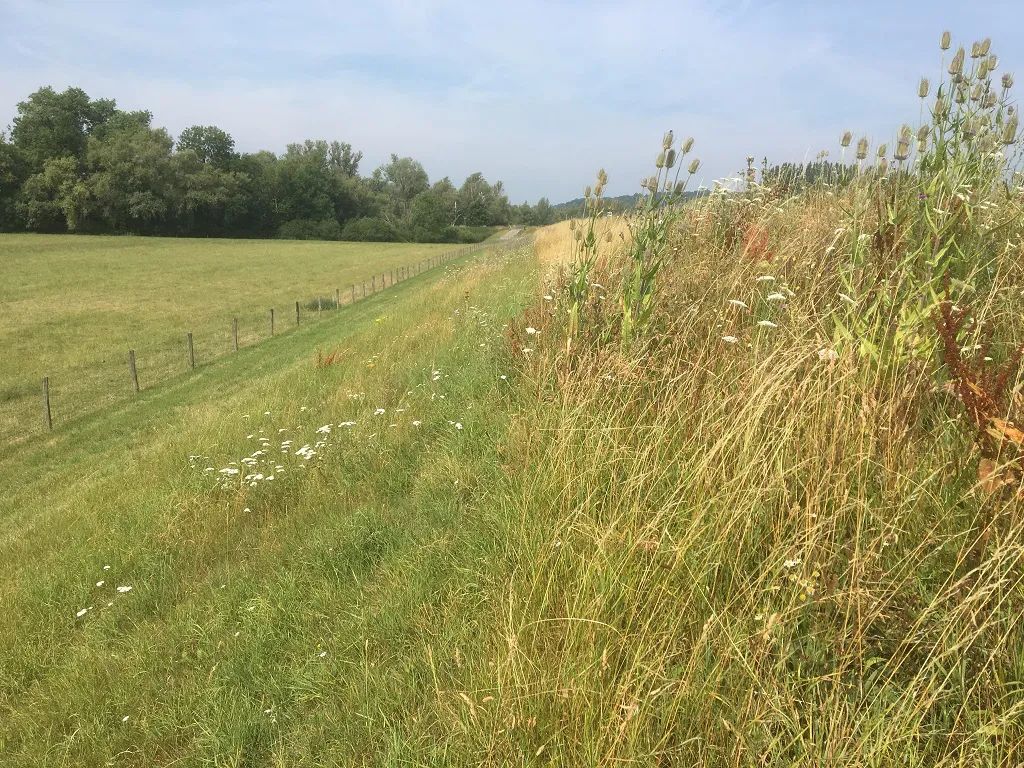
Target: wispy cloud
{"points": [[539, 94]]}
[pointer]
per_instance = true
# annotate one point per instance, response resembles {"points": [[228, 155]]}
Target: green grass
{"points": [[343, 597], [74, 306]]}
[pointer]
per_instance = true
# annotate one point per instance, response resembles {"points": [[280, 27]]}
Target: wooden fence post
{"points": [[46, 403], [131, 369], [191, 353], [392, 277], [337, 298], [382, 283], [234, 331], [296, 313], [271, 321], [373, 284]]}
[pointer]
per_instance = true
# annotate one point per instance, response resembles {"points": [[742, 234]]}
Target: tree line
{"points": [[75, 164]]}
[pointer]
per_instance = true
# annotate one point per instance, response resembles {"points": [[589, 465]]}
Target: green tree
{"points": [[51, 124], [56, 198], [400, 180], [12, 176], [134, 180], [209, 143], [433, 212]]}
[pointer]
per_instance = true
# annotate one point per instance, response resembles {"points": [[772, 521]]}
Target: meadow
{"points": [[733, 481], [74, 305]]}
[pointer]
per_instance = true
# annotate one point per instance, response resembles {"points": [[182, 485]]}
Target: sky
{"points": [[537, 93]]}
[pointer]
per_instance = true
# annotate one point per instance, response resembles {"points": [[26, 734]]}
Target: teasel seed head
{"points": [[922, 88], [666, 143], [670, 158], [976, 93], [986, 44], [992, 62], [660, 162], [944, 42], [1010, 130], [847, 138], [862, 147], [1007, 80], [922, 133], [587, 192], [902, 149], [694, 165], [687, 145], [922, 147], [598, 189], [990, 100], [680, 187], [975, 50], [941, 109], [880, 152], [983, 69], [956, 66], [961, 94], [883, 166], [969, 127]]}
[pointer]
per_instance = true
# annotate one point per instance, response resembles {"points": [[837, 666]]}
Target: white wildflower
{"points": [[100, 583], [416, 423], [123, 590], [82, 613], [828, 355], [776, 297], [792, 563], [738, 303], [729, 339], [848, 299], [531, 331], [767, 324], [765, 279], [379, 412]]}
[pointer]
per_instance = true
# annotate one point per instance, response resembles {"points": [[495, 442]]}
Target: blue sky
{"points": [[538, 94]]}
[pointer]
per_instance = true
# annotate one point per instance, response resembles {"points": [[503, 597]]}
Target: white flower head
{"points": [[124, 589], [767, 324], [849, 300], [828, 355], [738, 303], [531, 331], [776, 297], [730, 339], [379, 412], [765, 279]]}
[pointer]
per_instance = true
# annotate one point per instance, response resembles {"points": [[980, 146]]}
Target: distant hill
{"points": [[622, 202]]}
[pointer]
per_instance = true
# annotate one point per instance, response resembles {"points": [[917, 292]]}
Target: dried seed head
{"points": [[922, 146], [660, 162], [902, 149], [976, 50], [751, 175], [956, 66], [687, 145], [961, 94], [693, 167], [944, 42], [922, 88], [986, 44], [990, 100], [1010, 130], [941, 109], [983, 69], [750, 159], [602, 176], [862, 147], [969, 127], [598, 189], [922, 133], [680, 187], [992, 62], [587, 191], [976, 93], [847, 138], [1007, 80], [883, 166], [880, 152], [666, 142], [670, 158]]}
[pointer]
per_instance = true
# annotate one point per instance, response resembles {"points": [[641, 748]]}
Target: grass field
{"points": [[732, 482], [74, 306]]}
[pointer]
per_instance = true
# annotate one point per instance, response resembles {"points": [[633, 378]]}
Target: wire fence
{"points": [[34, 407]]}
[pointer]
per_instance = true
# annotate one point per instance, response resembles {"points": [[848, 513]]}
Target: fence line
{"points": [[402, 273]]}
